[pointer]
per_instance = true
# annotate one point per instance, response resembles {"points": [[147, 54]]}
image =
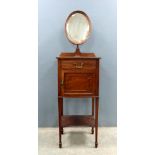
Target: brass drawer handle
{"points": [[79, 65]]}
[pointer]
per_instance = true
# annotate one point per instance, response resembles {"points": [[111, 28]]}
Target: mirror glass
{"points": [[77, 27]]}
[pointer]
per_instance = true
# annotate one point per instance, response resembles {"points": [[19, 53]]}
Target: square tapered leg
{"points": [[96, 121], [60, 126], [92, 130]]}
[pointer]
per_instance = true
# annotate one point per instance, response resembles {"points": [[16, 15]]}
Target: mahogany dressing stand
{"points": [[78, 77]]}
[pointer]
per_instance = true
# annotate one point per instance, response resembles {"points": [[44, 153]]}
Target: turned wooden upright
{"points": [[78, 77]]}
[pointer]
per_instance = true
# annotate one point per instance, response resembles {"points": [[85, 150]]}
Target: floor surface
{"points": [[77, 141]]}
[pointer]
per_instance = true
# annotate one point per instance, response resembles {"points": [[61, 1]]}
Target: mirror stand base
{"points": [[77, 52]]}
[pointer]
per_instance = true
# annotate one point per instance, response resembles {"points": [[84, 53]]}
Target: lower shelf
{"points": [[77, 120]]}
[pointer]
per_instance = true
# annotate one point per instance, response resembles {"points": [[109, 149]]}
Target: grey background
{"points": [[52, 41]]}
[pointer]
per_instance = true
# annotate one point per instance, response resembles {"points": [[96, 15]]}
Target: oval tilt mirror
{"points": [[77, 28]]}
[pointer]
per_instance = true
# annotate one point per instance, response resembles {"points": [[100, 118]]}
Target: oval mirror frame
{"points": [[80, 30]]}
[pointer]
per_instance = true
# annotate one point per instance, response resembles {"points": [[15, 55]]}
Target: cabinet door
{"points": [[77, 84]]}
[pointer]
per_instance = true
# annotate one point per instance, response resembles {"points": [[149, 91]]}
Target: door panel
{"points": [[78, 83]]}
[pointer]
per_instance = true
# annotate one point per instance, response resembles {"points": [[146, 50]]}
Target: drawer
{"points": [[78, 64]]}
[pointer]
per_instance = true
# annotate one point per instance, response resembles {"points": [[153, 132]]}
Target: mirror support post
{"points": [[77, 52]]}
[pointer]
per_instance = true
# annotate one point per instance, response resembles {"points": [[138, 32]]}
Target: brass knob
{"points": [[62, 82]]}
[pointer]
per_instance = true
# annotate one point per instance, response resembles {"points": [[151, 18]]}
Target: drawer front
{"points": [[78, 64]]}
